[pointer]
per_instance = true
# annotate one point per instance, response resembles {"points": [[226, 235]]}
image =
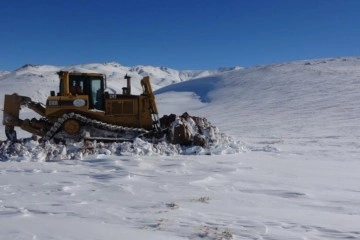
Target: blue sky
{"points": [[186, 34]]}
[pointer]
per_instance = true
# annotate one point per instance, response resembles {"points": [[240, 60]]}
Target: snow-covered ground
{"points": [[295, 174]]}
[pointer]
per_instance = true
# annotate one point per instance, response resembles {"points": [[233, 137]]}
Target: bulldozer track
{"points": [[90, 122]]}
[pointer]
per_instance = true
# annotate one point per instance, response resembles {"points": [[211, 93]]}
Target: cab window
{"points": [[97, 98]]}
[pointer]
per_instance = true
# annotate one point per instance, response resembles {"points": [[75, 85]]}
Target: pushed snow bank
{"points": [[30, 150], [183, 135]]}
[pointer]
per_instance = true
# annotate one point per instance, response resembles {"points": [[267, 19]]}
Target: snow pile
{"points": [[31, 150], [197, 136], [195, 131]]}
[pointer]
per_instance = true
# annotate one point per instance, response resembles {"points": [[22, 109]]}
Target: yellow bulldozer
{"points": [[83, 109]]}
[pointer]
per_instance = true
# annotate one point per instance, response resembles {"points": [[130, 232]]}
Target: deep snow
{"points": [[296, 176]]}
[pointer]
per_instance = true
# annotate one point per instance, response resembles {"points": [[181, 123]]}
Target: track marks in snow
{"points": [[185, 205], [203, 197], [41, 191]]}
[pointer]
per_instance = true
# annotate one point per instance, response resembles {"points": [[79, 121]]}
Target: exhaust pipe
{"points": [[127, 90]]}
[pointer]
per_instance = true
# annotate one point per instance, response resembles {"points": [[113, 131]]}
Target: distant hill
{"points": [[26, 79], [318, 97]]}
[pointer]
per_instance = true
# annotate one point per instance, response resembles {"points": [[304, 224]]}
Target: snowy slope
{"points": [[297, 178], [296, 98]]}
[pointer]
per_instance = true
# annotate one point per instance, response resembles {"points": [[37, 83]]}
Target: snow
{"points": [[295, 175]]}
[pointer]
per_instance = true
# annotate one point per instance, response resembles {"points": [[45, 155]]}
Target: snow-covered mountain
{"points": [[25, 79], [296, 178]]}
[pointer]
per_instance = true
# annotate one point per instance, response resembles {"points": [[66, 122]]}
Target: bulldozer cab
{"points": [[81, 106], [92, 85]]}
